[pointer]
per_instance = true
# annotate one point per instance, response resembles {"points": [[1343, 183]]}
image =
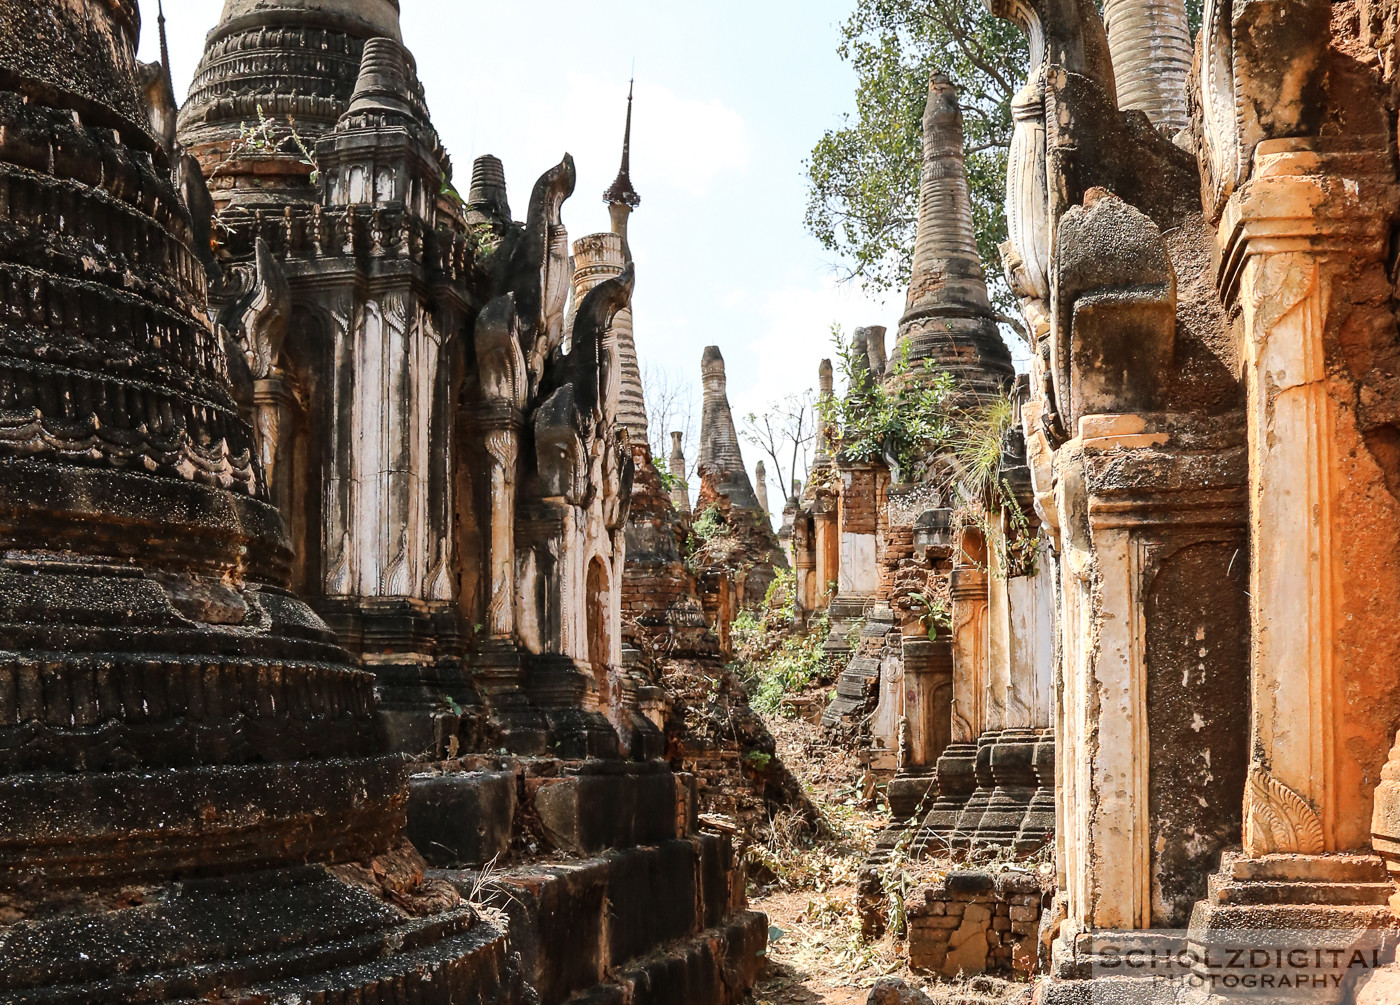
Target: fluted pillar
{"points": [[1150, 41], [503, 447]]}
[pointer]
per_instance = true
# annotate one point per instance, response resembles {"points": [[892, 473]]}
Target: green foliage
{"points": [[863, 194], [935, 614], [977, 442], [758, 760], [901, 419], [863, 176], [783, 590], [708, 527], [785, 663], [976, 449], [669, 482]]}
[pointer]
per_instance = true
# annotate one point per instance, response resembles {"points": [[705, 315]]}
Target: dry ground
{"points": [[807, 889]]}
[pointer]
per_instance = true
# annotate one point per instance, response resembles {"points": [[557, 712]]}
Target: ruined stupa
{"points": [[737, 561], [445, 433], [199, 797], [948, 321]]}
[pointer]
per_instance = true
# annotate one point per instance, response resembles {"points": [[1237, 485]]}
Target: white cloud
{"points": [[795, 335]]}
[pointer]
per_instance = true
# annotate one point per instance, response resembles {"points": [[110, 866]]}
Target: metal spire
{"points": [[164, 49], [621, 192]]}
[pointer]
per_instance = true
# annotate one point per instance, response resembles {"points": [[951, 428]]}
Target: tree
{"points": [[670, 404], [863, 177], [785, 433], [863, 196]]}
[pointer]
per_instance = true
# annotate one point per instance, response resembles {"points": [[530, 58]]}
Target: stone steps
{"points": [[645, 912], [1333, 894]]}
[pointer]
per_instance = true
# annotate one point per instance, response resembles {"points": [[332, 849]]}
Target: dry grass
{"points": [[807, 886]]}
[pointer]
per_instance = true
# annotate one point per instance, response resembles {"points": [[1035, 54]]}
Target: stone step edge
{"points": [[742, 946]]}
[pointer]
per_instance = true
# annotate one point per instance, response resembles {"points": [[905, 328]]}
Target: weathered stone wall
{"points": [[976, 923]]}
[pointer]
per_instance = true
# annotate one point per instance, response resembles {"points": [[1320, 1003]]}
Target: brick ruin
{"points": [[392, 407], [734, 549], [1196, 670], [955, 714]]}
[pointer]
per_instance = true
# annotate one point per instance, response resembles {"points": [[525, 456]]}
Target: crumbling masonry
{"points": [[395, 413]]}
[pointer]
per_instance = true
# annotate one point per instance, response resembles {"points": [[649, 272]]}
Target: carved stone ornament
{"points": [[559, 452], [1224, 164], [1279, 820], [1027, 195]]}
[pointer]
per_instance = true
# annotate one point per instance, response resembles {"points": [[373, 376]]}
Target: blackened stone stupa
{"points": [[197, 798]]}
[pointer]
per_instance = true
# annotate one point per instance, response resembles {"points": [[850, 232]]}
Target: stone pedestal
{"points": [[1013, 771], [957, 778], [1276, 910], [970, 820], [1039, 823]]}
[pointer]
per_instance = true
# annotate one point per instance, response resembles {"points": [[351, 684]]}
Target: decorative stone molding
{"points": [[1263, 71], [1279, 820]]}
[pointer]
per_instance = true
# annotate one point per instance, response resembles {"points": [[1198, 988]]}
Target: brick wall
{"points": [[859, 502], [974, 923]]}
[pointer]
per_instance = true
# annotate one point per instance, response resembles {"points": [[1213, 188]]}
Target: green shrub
{"points": [[789, 664]]}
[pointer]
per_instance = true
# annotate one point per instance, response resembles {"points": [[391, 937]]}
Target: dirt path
{"points": [[807, 887]]}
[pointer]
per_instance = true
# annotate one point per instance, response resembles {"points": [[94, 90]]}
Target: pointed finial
{"points": [[164, 47], [621, 193]]}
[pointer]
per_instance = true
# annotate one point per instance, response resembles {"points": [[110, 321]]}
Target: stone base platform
{"points": [[1336, 905], [661, 923], [607, 885], [466, 812], [286, 935], [715, 968]]}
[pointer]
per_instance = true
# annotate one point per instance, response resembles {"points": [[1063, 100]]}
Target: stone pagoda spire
{"points": [[488, 196], [622, 199], [278, 60], [760, 475], [826, 395], [169, 709], [1150, 41], [948, 320], [721, 461], [680, 495]]}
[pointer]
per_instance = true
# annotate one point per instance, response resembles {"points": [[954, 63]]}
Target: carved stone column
{"points": [[275, 410], [1303, 247], [503, 446], [1150, 759]]}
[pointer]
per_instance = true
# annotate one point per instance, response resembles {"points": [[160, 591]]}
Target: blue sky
{"points": [[731, 97]]}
